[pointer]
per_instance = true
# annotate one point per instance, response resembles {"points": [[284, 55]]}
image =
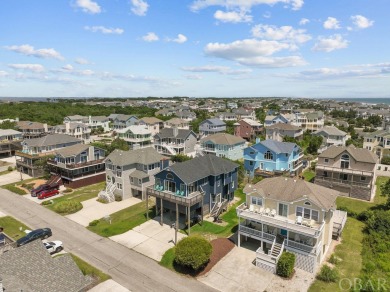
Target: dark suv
{"points": [[33, 235], [45, 187]]}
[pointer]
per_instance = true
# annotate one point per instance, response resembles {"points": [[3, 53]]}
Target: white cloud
{"points": [[88, 6], [67, 67], [104, 30], [267, 14], [181, 38], [283, 33], [304, 21], [245, 5], [37, 68], [3, 73], [332, 23], [252, 52], [86, 72], [334, 42], [232, 16], [217, 69], [361, 22], [139, 7], [150, 37], [29, 50], [193, 77], [82, 61]]}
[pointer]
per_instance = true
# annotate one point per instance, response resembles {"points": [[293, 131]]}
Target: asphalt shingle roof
{"points": [[168, 133], [143, 156], [283, 126], [201, 167], [331, 131], [290, 190], [52, 139], [278, 147], [223, 139], [9, 132], [216, 122], [72, 150], [359, 154]]}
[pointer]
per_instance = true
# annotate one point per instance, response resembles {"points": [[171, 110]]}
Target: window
{"points": [[119, 186], [250, 163], [257, 201], [326, 160], [268, 155], [306, 213], [299, 211], [325, 174], [139, 181], [307, 203], [314, 215], [344, 161], [169, 176], [362, 178], [343, 176], [283, 210], [232, 184], [131, 180], [218, 183]]}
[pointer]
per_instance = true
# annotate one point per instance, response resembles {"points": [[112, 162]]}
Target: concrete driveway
{"points": [[38, 201], [109, 285], [237, 272], [93, 210], [150, 238], [12, 177]]}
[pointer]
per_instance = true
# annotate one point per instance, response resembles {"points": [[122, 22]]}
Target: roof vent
{"points": [[295, 180]]}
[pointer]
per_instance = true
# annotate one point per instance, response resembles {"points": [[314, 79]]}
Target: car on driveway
{"points": [[53, 246], [42, 188], [48, 193], [33, 235]]}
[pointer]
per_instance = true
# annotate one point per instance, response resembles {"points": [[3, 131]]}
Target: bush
{"points": [[68, 207], [45, 203], [349, 212], [334, 260], [118, 197], [15, 189], [328, 274], [10, 168], [101, 200], [193, 252], [94, 223], [68, 190], [256, 179], [285, 265]]}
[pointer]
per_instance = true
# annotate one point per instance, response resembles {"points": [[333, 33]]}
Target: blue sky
{"points": [[199, 48]]}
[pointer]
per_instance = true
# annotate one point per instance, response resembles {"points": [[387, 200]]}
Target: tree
{"points": [[386, 160], [119, 144], [8, 125], [230, 127], [260, 115], [193, 252], [180, 158], [314, 144], [375, 120]]}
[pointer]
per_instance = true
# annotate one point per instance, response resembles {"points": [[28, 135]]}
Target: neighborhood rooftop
{"points": [[52, 139], [143, 156], [359, 154], [223, 139]]}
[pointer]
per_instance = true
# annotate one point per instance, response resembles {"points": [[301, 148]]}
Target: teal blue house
{"points": [[273, 156]]}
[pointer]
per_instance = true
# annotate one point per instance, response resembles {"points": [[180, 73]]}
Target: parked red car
{"points": [[47, 194], [44, 188]]}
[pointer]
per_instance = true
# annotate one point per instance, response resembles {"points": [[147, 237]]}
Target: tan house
{"points": [[177, 123], [294, 215], [280, 130], [349, 170]]}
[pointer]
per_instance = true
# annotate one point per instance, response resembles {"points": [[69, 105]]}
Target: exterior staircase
{"points": [[108, 193], [170, 149], [277, 248], [54, 179], [218, 208]]}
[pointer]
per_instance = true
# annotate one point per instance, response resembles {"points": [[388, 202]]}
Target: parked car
{"points": [[33, 235], [48, 193], [44, 187], [53, 246]]}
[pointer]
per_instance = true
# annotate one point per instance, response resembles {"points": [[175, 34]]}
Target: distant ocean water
{"points": [[364, 100]]}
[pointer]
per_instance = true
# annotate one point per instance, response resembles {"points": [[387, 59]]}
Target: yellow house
{"points": [[293, 215]]}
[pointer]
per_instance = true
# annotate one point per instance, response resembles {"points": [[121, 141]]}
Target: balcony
{"points": [[136, 140], [31, 155], [345, 170], [170, 144], [342, 182], [74, 165], [280, 222], [188, 201]]}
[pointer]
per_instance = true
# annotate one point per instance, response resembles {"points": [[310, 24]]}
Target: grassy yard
{"points": [[308, 175], [89, 270], [12, 227], [123, 220], [168, 259], [5, 172], [13, 187], [230, 217], [79, 195]]}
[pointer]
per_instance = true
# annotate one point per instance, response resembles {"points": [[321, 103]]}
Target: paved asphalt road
{"points": [[129, 268]]}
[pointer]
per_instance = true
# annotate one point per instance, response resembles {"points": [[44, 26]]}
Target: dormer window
{"points": [[344, 161], [268, 155]]}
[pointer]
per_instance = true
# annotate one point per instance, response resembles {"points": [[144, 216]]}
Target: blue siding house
{"points": [[271, 120], [271, 156], [207, 181], [211, 126]]}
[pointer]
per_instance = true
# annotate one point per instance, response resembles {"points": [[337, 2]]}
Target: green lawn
{"points": [[80, 195], [12, 187], [89, 270], [12, 227], [230, 217], [5, 172], [124, 220], [308, 175], [168, 259], [349, 251]]}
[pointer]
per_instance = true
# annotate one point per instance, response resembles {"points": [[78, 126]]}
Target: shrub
{"points": [[334, 260], [101, 200], [118, 197], [68, 190], [68, 207], [45, 203], [10, 168], [15, 189], [193, 252], [94, 223], [256, 179], [350, 213], [328, 274], [365, 215], [285, 265]]}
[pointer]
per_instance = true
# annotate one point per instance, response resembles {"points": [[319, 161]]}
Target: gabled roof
{"points": [[176, 121], [200, 167], [124, 118], [223, 139], [9, 132], [72, 150], [150, 120], [330, 130], [76, 118], [251, 122], [99, 118], [50, 140], [359, 154], [135, 129], [31, 268], [276, 146], [291, 190], [25, 125], [143, 156], [169, 133], [215, 122], [283, 126]]}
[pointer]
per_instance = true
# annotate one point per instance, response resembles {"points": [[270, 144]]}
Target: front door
{"points": [[170, 186], [283, 232]]}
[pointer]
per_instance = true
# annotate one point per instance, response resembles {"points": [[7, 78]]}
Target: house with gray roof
{"points": [[223, 145], [78, 165], [289, 214], [211, 126], [128, 173], [331, 135], [152, 124], [378, 142], [198, 186], [172, 141], [32, 130], [35, 151], [349, 170], [75, 129], [123, 121], [10, 141], [308, 120], [280, 130], [271, 157], [177, 123], [31, 268]]}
